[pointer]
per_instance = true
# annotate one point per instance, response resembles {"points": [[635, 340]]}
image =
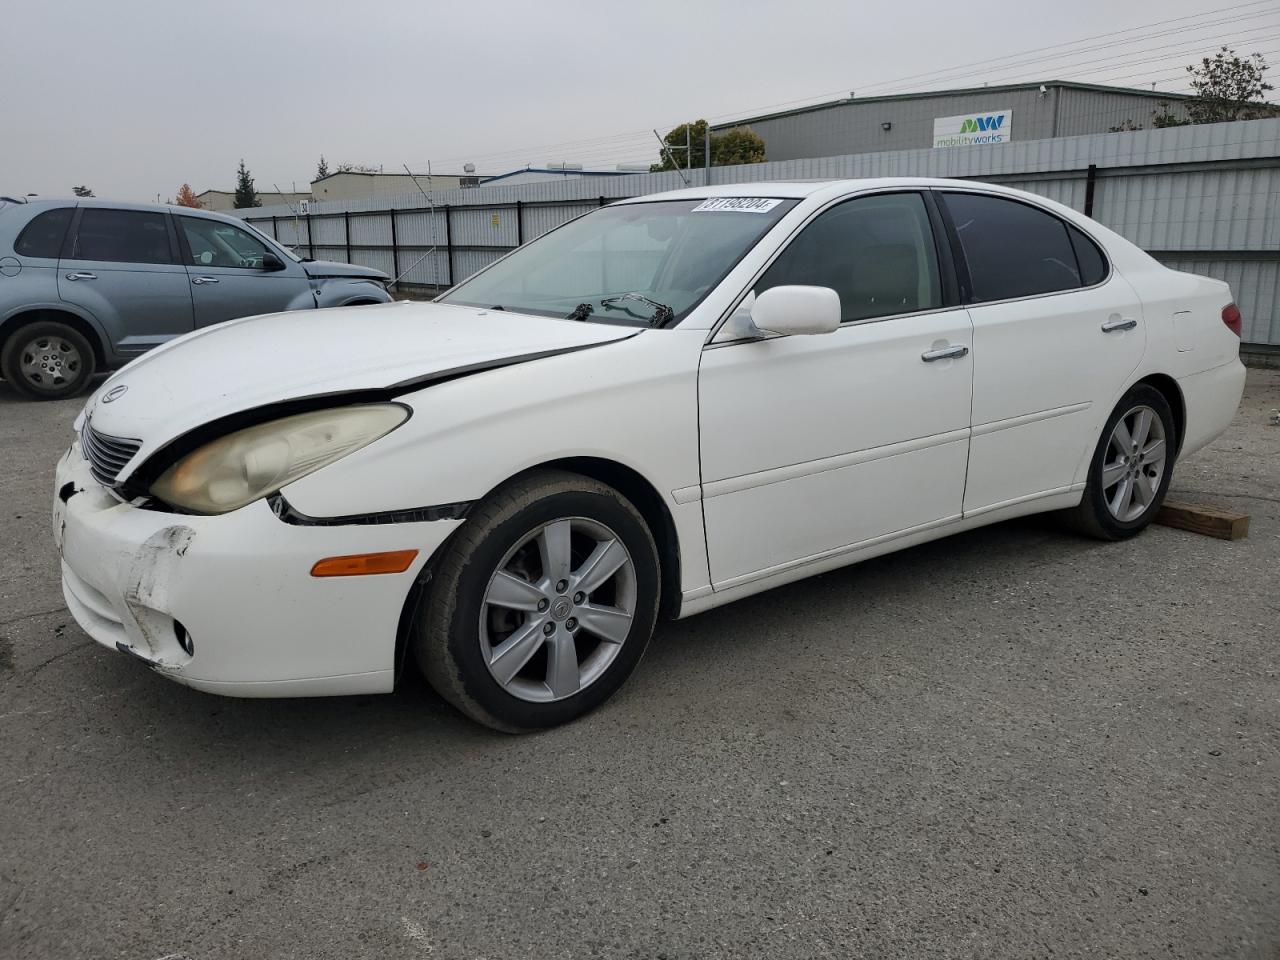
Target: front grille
{"points": [[106, 455]]}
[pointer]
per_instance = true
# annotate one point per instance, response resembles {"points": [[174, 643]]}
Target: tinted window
{"points": [[1093, 265], [1012, 248], [124, 236], [217, 244], [877, 253], [42, 237]]}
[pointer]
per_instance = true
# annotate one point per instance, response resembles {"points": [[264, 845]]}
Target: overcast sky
{"points": [[133, 98]]}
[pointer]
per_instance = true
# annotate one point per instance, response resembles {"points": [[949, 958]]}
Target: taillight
{"points": [[1231, 317]]}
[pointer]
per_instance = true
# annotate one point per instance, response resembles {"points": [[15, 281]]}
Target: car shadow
{"points": [[9, 395], [702, 653]]}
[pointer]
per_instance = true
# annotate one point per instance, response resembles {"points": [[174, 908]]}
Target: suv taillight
{"points": [[1231, 317]]}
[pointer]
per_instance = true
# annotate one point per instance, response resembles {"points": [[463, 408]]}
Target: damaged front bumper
{"points": [[226, 604]]}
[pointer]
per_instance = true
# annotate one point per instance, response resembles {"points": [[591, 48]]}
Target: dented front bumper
{"points": [[227, 604]]}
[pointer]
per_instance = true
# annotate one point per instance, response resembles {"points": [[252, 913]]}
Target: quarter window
{"points": [[43, 236], [217, 244], [1093, 266], [122, 236], [1012, 249], [876, 252]]}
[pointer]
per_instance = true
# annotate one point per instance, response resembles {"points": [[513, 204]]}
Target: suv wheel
{"points": [[47, 360]]}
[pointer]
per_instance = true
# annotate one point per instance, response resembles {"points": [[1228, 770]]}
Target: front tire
{"points": [[542, 603], [1131, 467], [47, 360]]}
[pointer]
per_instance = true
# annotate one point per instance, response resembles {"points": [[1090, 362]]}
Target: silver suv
{"points": [[87, 285]]}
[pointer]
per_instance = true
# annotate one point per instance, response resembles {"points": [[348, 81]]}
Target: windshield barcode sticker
{"points": [[737, 205]]}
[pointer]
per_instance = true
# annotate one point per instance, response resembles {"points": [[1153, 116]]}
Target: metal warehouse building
{"points": [[1023, 111]]}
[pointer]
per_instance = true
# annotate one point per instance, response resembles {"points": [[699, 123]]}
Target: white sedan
{"points": [[657, 408]]}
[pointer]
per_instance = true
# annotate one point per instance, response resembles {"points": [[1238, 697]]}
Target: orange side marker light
{"points": [[362, 564]]}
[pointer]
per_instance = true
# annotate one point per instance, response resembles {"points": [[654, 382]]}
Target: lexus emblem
{"points": [[115, 393]]}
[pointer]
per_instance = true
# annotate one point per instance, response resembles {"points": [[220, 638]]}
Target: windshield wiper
{"points": [[581, 312], [662, 314]]}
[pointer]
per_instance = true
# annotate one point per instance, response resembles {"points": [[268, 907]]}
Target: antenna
{"points": [[431, 205], [289, 203], [667, 150]]}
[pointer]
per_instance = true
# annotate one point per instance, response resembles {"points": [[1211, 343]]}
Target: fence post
{"points": [[346, 232], [275, 230], [1090, 181], [448, 244], [395, 251], [311, 238], [519, 223]]}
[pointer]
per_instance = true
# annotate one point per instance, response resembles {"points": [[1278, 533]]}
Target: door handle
{"points": [[82, 276], [1119, 323], [204, 279], [944, 353]]}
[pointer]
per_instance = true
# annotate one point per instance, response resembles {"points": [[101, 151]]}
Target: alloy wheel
{"points": [[558, 609], [1134, 464]]}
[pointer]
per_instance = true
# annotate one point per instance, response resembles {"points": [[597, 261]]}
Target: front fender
{"points": [[632, 402], [343, 292]]}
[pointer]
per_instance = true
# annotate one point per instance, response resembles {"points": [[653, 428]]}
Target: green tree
{"points": [[739, 145], [82, 191], [322, 168], [246, 195], [1229, 87]]}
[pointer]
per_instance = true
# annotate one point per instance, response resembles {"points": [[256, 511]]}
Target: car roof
{"points": [[43, 203], [807, 188]]}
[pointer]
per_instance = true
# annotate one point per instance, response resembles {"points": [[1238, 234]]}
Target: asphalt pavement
{"points": [[1010, 743]]}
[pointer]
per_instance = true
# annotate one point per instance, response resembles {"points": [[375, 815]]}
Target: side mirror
{"points": [[271, 262], [794, 310]]}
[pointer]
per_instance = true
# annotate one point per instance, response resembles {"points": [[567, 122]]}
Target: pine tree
{"points": [[187, 197], [82, 191], [246, 195], [322, 168]]}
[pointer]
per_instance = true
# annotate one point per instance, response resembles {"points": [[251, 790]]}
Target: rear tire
{"points": [[1131, 468], [47, 360], [521, 628]]}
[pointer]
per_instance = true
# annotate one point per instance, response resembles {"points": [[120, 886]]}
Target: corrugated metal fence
{"points": [[1199, 198]]}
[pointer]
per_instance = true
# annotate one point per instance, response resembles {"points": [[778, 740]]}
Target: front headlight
{"points": [[249, 464]]}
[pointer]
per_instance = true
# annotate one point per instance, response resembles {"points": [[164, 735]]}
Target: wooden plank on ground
{"points": [[1210, 521]]}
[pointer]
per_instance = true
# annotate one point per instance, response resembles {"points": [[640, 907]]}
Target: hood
{"points": [[256, 361], [320, 269]]}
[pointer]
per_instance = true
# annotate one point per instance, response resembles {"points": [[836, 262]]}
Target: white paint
{"points": [[416, 932], [802, 453]]}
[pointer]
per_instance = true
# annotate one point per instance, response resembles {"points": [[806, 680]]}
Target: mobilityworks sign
{"points": [[990, 126]]}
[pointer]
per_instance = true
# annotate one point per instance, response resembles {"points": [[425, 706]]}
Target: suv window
{"points": [[1012, 249], [122, 236], [876, 252], [43, 236], [217, 244]]}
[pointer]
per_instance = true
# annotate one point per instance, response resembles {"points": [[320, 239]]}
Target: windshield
{"points": [[647, 264]]}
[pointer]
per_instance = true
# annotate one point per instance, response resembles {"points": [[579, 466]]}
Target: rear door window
{"points": [[122, 236], [43, 236], [1012, 249]]}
